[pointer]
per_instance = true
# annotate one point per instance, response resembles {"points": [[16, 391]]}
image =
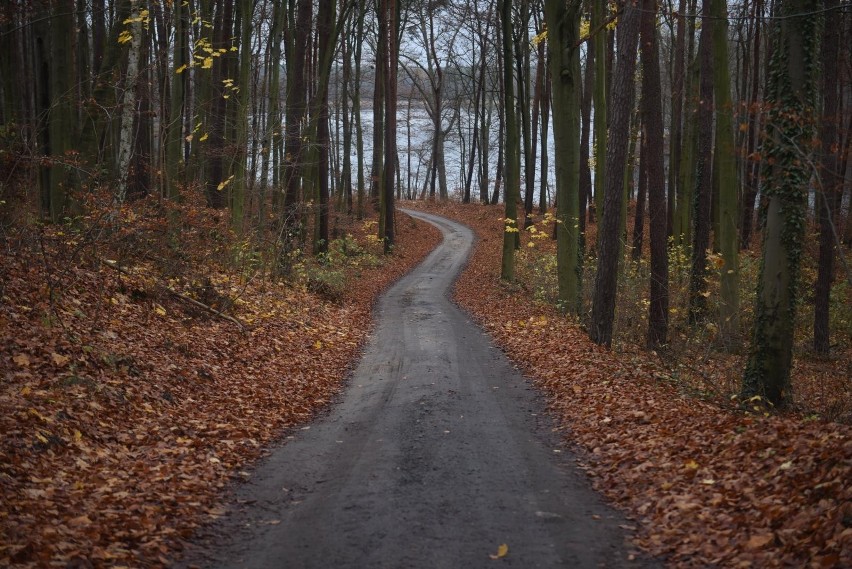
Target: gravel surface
{"points": [[436, 454]]}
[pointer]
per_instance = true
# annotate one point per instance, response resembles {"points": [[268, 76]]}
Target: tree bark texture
{"points": [[609, 230]]}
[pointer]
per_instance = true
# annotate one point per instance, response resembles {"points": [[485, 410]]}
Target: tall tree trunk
{"points": [[703, 190], [676, 150], [378, 127], [831, 177], [139, 177], [600, 98], [609, 229], [356, 105], [752, 170], [641, 188], [388, 21], [58, 81], [585, 136], [791, 97], [652, 113], [524, 105], [241, 171], [298, 31], [177, 106], [128, 103], [725, 163], [274, 139], [563, 24], [545, 123], [215, 179], [501, 129], [327, 33], [512, 148]]}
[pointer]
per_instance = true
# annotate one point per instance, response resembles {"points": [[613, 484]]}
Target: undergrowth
{"points": [[695, 356]]}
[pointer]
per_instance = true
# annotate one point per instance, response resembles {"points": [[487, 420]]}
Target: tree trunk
{"points": [[563, 24], [831, 177], [512, 148], [356, 105], [545, 123], [600, 99], [389, 38], [652, 112], [585, 136], [177, 106], [128, 104], [791, 97], [241, 171], [609, 229], [676, 150], [698, 292], [296, 106], [752, 168], [642, 187], [725, 163]]}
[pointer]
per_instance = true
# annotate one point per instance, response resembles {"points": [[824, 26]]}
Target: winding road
{"points": [[437, 452]]}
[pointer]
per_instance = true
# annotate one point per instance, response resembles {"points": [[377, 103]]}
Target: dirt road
{"points": [[437, 453]]}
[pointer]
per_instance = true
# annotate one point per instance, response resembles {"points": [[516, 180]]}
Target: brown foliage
{"points": [[708, 485], [125, 410]]}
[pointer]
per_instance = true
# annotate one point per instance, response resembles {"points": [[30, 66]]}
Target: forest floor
{"points": [[707, 482], [126, 409]]}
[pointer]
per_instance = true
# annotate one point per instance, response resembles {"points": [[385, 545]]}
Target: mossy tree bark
{"points": [[725, 163], [563, 25], [791, 94], [698, 290]]}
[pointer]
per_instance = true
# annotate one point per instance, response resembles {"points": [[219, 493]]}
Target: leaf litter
{"points": [[125, 412], [706, 484]]}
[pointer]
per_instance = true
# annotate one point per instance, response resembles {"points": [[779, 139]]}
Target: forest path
{"points": [[437, 452]]}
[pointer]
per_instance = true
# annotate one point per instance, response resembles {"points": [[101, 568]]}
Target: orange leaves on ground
{"points": [[125, 413], [708, 485]]}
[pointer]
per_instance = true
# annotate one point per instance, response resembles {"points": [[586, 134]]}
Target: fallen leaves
{"points": [[502, 551], [125, 411], [707, 486]]}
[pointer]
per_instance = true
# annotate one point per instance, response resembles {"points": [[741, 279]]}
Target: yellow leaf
{"points": [[41, 438], [26, 390], [22, 360], [690, 465], [317, 345], [208, 63], [222, 185], [78, 436], [181, 69], [124, 37], [502, 551], [203, 137], [159, 310]]}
